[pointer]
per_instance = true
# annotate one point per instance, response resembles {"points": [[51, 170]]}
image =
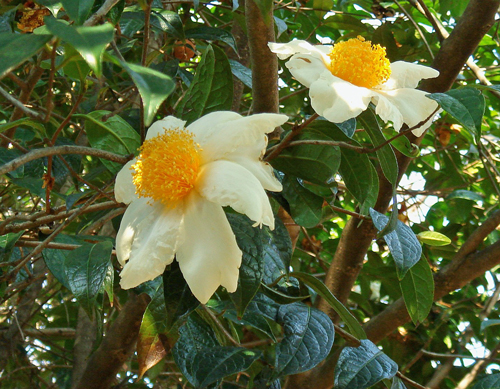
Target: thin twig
{"points": [[58, 150], [21, 106], [409, 381], [221, 327], [101, 12]]}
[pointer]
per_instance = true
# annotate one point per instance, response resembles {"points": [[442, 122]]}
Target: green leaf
{"points": [[17, 48], [308, 339], [432, 238], [201, 359], [418, 290], [491, 381], [53, 5], [212, 86], [397, 383], [249, 240], [466, 105], [55, 258], [385, 155], [153, 86], [403, 243], [277, 251], [114, 135], [320, 288], [488, 323], [305, 206], [150, 349], [348, 127], [90, 42], [167, 21], [7, 244], [251, 318], [179, 301], [78, 10], [465, 194], [279, 297], [212, 34], [86, 270], [240, 71], [363, 366], [314, 163]]}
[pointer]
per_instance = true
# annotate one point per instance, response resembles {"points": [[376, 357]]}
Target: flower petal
{"points": [[149, 241], [124, 186], [261, 170], [167, 123], [229, 184], [407, 75], [406, 105], [209, 255], [306, 68], [220, 133], [338, 100], [285, 50]]}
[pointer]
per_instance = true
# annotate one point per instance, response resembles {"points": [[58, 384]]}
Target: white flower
{"points": [[345, 78], [176, 189]]}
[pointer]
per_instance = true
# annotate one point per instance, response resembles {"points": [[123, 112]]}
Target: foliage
{"points": [[80, 75]]}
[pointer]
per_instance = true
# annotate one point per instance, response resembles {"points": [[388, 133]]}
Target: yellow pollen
{"points": [[360, 62], [167, 166]]}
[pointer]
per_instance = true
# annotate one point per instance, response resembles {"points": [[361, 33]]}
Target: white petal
{"points": [[285, 50], [155, 240], [306, 68], [407, 75], [124, 186], [167, 123], [261, 170], [409, 106], [220, 133], [338, 100], [209, 255], [229, 184]]}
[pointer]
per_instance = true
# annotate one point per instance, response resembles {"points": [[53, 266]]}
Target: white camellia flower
{"points": [[176, 189], [343, 79]]}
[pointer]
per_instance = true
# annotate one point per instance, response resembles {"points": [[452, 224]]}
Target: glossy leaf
{"points": [[397, 384], [418, 290], [240, 71], [78, 10], [90, 42], [320, 288], [7, 244], [465, 104], [212, 86], [491, 381], [153, 86], [86, 270], [249, 241], [277, 251], [212, 34], [308, 338], [17, 48], [403, 243], [305, 206], [465, 194], [363, 366], [433, 238], [488, 323]]}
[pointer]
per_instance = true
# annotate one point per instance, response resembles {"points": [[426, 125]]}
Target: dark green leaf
{"points": [[212, 34], [403, 243], [53, 5], [418, 290], [78, 10], [240, 71], [249, 240], [277, 252], [153, 86], [279, 297], [491, 381], [251, 318], [54, 259], [24, 122], [17, 48], [7, 243], [90, 42], [465, 104], [314, 163], [488, 323], [320, 288], [397, 384], [86, 270], [308, 338], [212, 86], [167, 21], [465, 194], [305, 206], [114, 135], [348, 127], [179, 301], [363, 366]]}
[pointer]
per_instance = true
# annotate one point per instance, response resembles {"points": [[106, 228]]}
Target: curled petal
{"points": [[306, 68], [229, 184], [407, 75], [338, 100], [209, 255], [285, 50], [124, 186], [410, 106], [261, 170], [149, 242], [167, 123]]}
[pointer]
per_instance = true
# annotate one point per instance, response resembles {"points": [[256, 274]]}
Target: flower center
{"points": [[167, 167], [360, 62]]}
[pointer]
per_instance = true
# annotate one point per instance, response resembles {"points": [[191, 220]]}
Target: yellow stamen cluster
{"points": [[167, 166], [32, 18], [360, 62]]}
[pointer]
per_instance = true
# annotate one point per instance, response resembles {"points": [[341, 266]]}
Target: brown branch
{"points": [[101, 12]]}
